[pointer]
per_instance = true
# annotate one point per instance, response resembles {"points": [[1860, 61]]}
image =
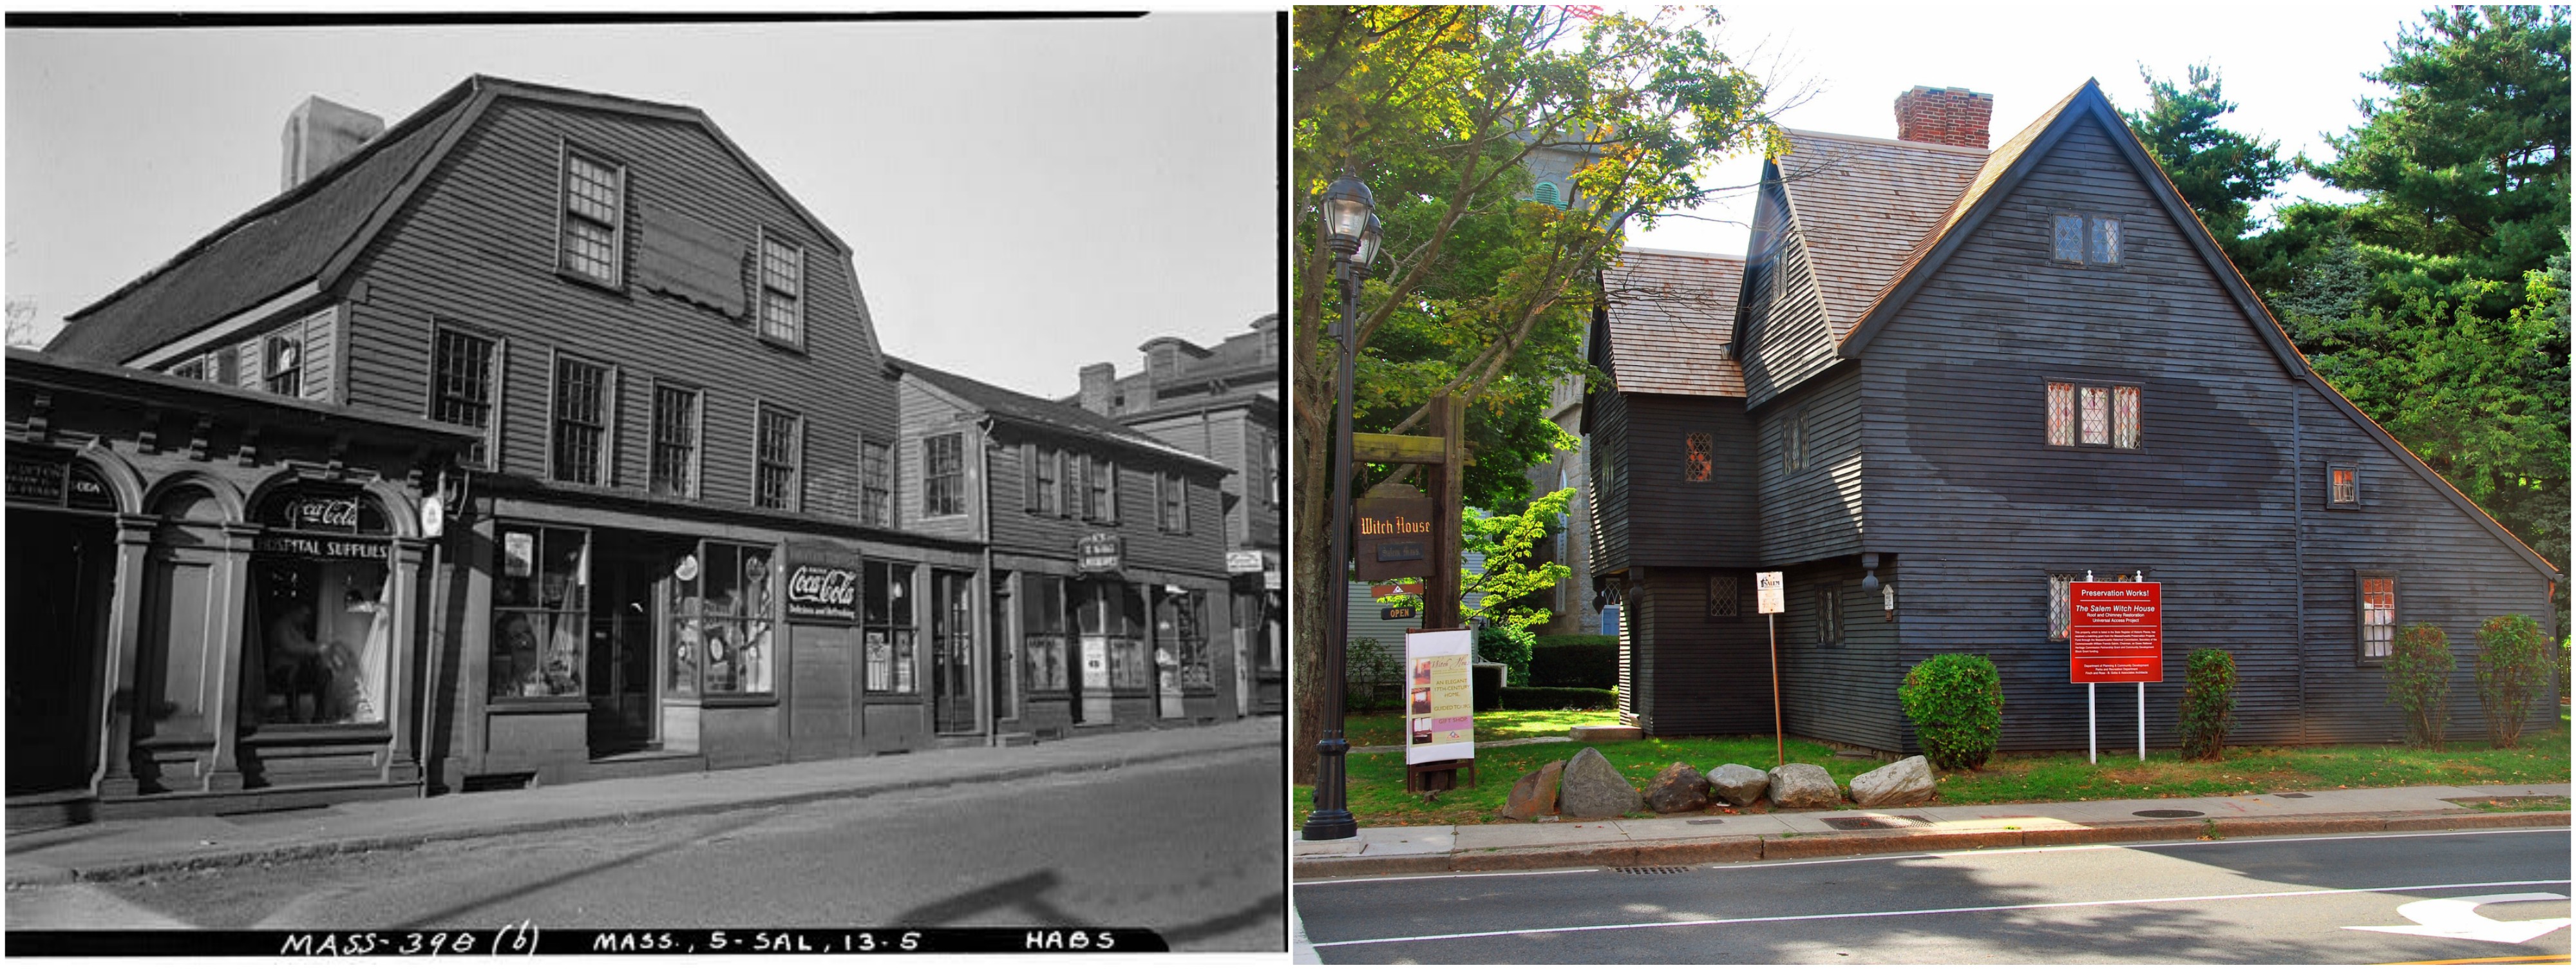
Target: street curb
{"points": [[1811, 845], [350, 846]]}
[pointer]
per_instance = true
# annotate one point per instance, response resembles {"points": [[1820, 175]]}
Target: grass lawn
{"points": [[1377, 795]]}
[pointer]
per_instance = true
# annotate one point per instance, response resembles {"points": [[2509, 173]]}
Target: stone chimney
{"points": [[1944, 116], [1099, 387], [318, 135]]}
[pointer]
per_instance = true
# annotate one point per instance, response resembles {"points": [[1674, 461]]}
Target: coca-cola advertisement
{"points": [[822, 585]]}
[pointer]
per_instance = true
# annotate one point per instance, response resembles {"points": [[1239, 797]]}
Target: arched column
{"points": [[115, 777]]}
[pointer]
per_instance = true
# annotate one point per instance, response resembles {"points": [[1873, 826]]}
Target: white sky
{"points": [[2294, 69], [1022, 197]]}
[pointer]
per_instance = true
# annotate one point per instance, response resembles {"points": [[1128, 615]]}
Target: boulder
{"points": [[1679, 788], [1803, 786], [1901, 783], [1738, 784], [1593, 789], [1534, 795]]}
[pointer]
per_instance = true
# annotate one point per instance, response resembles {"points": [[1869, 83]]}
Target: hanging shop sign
{"points": [[1270, 580], [1243, 561], [822, 584], [1397, 612], [58, 482], [1395, 534], [1099, 552], [2115, 633], [1440, 699]]}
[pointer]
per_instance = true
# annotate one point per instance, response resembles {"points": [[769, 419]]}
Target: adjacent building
{"points": [[1943, 383]]}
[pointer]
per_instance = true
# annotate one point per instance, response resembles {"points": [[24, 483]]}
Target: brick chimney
{"points": [[319, 134], [1099, 382], [1944, 116]]}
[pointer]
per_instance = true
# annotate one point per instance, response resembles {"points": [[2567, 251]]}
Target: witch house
{"points": [[1949, 381]]}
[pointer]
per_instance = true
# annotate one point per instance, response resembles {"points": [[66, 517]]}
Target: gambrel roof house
{"points": [[1951, 380]]}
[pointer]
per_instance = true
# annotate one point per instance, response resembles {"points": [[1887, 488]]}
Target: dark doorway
{"points": [[952, 653], [56, 623], [626, 571]]}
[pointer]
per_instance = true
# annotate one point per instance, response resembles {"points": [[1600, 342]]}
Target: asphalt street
{"points": [[1188, 847], [2288, 900]]}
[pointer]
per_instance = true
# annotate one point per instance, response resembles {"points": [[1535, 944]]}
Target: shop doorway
{"points": [[625, 627], [952, 653], [55, 629]]}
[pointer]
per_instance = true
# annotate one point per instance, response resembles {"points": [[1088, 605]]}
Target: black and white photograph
{"points": [[472, 479]]}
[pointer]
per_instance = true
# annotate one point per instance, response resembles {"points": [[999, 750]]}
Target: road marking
{"points": [[2528, 958], [2458, 919], [1941, 912], [1961, 853]]}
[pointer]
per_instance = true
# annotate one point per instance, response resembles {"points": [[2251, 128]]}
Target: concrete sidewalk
{"points": [[122, 848], [1684, 839]]}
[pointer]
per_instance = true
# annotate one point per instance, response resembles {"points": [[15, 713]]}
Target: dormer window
{"points": [[282, 362], [2090, 239], [593, 218], [782, 290]]}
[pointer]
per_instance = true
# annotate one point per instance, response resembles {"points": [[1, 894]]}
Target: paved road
{"points": [[1188, 847], [2235, 901]]}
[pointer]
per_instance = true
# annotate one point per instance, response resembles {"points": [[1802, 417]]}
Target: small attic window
{"points": [[1546, 192], [2087, 239]]}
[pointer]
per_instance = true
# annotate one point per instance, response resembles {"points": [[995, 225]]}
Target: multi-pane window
{"points": [[540, 612], [2343, 486], [1793, 441], [1176, 504], [876, 483], [193, 368], [1104, 491], [1723, 595], [227, 366], [594, 221], [282, 363], [2378, 615], [721, 620], [776, 488], [461, 385], [943, 475], [890, 630], [2085, 239], [1050, 500], [1697, 460], [1046, 641], [2093, 416], [581, 419], [2060, 612], [675, 441], [1829, 614], [782, 290]]}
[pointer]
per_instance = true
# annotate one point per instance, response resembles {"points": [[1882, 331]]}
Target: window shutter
{"points": [[1161, 521], [254, 359], [321, 355], [1029, 476], [1109, 499], [1068, 503]]}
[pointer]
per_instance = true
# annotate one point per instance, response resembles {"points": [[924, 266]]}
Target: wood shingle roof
{"points": [[1863, 205], [1670, 316]]}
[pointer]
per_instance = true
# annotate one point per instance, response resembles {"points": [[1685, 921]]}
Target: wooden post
{"points": [[1440, 578]]}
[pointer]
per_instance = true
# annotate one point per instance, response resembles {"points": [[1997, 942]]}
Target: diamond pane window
{"points": [[2061, 414], [1696, 462], [1722, 595], [2069, 239], [2059, 612], [2124, 417], [594, 197], [581, 420], [2097, 415], [2102, 245], [1793, 442]]}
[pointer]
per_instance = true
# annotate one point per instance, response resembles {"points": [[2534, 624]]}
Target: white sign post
{"points": [[1769, 599]]}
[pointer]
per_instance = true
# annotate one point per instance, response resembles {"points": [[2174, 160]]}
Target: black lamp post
{"points": [[1351, 231]]}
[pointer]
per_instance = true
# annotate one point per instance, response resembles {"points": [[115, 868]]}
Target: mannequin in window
{"points": [[295, 684]]}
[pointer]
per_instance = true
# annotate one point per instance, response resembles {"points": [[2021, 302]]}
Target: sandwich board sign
{"points": [[2115, 634], [1440, 699]]}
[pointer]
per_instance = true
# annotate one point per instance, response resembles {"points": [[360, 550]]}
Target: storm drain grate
{"points": [[1650, 870], [1850, 823], [2292, 794], [2167, 813], [1706, 821]]}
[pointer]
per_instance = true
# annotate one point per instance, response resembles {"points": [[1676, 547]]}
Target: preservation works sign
{"points": [[2116, 633]]}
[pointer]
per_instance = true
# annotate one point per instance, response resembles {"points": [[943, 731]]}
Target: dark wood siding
{"points": [[1703, 675], [1787, 339], [1016, 530], [1678, 522], [1607, 447], [477, 246], [1843, 692], [1816, 511]]}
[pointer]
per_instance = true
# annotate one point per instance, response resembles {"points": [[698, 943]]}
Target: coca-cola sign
{"points": [[823, 593], [323, 513]]}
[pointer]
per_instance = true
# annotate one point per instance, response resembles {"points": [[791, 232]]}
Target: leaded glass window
{"points": [[1696, 460], [2069, 238], [2097, 415], [2124, 417]]}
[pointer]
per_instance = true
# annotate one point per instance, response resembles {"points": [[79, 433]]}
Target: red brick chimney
{"points": [[1944, 116]]}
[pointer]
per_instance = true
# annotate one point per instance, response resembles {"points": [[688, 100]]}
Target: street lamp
{"points": [[1351, 232]]}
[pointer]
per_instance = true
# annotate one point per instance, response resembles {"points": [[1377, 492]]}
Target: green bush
{"points": [[2419, 681], [1956, 701], [1589, 661], [1372, 676], [1577, 639], [2208, 703], [1509, 647], [2512, 664], [1557, 698]]}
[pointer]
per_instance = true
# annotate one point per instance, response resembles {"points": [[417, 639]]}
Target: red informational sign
{"points": [[2117, 633]]}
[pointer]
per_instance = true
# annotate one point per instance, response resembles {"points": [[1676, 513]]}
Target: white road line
{"points": [[1960, 853], [1939, 912]]}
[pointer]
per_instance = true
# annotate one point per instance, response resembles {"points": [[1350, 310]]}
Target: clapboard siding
{"points": [[1219, 435], [1679, 522], [1816, 511], [1699, 674], [1017, 530], [1605, 476], [1843, 692], [925, 413], [476, 247], [1787, 338]]}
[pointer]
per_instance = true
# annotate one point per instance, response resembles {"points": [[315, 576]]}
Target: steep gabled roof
{"points": [[1669, 318], [312, 232], [1861, 205], [2014, 162], [1034, 411]]}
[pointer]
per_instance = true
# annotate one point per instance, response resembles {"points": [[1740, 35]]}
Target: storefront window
{"points": [[890, 631], [540, 612], [722, 621], [1180, 636], [324, 633], [1130, 666], [1043, 617]]}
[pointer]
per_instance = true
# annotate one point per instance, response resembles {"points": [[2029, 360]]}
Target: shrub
{"points": [[2562, 664], [2208, 703], [1577, 639], [1956, 701], [2511, 664], [1509, 647], [1557, 698], [2419, 681], [1584, 661], [1372, 676]]}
